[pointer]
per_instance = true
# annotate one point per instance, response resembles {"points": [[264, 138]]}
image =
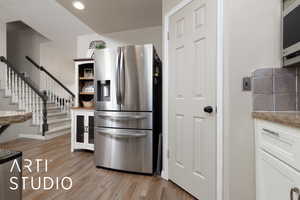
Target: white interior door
{"points": [[192, 88]]}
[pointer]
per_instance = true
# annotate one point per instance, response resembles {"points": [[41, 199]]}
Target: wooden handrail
{"points": [[37, 91], [43, 96], [41, 68]]}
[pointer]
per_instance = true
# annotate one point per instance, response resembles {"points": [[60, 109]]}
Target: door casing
{"points": [[220, 92]]}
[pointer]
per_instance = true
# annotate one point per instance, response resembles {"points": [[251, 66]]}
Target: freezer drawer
{"points": [[123, 149], [130, 120]]}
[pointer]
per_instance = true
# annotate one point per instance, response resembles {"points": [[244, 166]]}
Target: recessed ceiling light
{"points": [[78, 5]]}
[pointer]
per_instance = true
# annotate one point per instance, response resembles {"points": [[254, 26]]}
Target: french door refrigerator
{"points": [[128, 109]]}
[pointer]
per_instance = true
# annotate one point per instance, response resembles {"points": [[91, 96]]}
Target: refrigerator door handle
{"points": [[118, 94], [120, 133], [122, 76]]}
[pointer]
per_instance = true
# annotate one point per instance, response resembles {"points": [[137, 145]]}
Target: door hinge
{"points": [[216, 109], [168, 153]]}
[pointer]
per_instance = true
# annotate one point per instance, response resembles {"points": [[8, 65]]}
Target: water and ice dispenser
{"points": [[103, 90]]}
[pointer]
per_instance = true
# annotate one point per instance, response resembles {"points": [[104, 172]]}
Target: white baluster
{"points": [[54, 94], [33, 107], [7, 91], [2, 65], [19, 93], [23, 96], [36, 108], [13, 94], [41, 114], [47, 87], [68, 105], [15, 88], [30, 98], [5, 75], [12, 85], [52, 89]]}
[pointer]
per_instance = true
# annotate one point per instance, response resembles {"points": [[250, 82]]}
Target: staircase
{"points": [[50, 104]]}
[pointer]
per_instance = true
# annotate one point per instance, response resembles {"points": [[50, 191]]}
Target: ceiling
{"points": [[107, 16], [48, 18]]}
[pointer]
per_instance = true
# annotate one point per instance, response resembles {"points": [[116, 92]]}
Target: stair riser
{"points": [[57, 117], [54, 110], [64, 123], [58, 133]]}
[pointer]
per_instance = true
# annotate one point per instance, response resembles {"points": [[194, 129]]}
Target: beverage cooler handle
{"points": [[118, 94], [122, 76]]}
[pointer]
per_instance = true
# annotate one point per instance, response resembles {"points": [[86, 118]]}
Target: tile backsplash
{"points": [[275, 89]]}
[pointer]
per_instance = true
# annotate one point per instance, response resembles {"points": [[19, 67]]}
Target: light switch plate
{"points": [[247, 84]]}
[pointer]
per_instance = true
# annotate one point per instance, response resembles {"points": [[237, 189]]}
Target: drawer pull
{"points": [[294, 190], [271, 132]]}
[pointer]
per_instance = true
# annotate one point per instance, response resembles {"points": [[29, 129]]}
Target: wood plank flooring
{"points": [[89, 182]]}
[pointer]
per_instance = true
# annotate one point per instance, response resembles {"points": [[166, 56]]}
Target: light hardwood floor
{"points": [[89, 182]]}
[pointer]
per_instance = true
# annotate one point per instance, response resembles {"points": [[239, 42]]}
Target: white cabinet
{"points": [[82, 136], [275, 179], [277, 170]]}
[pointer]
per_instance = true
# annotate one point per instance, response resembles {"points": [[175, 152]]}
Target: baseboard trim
{"points": [[40, 137], [164, 175], [35, 137], [8, 139], [53, 135]]}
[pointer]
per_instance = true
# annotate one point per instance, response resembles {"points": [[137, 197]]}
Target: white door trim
{"points": [[220, 78]]}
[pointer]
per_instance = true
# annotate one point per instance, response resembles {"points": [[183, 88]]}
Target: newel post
{"points": [[45, 123]]}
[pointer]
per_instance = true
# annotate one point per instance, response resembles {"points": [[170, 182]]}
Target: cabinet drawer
{"points": [[280, 141]]}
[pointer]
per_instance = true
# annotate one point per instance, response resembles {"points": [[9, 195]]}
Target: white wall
{"points": [[21, 43], [24, 41], [252, 40], [113, 40], [58, 63]]}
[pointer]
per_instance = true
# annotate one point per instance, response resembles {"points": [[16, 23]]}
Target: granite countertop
{"points": [[7, 155], [286, 118], [10, 117]]}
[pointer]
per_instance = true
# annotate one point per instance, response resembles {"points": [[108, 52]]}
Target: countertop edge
{"points": [[18, 118], [287, 119]]}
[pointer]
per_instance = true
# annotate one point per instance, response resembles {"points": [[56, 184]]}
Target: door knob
{"points": [[208, 109]]}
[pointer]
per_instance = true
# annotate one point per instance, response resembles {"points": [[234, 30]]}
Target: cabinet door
{"points": [[275, 179], [80, 125], [91, 129]]}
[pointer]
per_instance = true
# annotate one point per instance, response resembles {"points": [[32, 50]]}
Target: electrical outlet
{"points": [[247, 84]]}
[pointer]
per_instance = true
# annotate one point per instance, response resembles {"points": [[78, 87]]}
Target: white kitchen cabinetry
{"points": [[277, 161], [82, 136]]}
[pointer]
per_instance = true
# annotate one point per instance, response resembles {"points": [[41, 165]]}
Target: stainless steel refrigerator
{"points": [[128, 109]]}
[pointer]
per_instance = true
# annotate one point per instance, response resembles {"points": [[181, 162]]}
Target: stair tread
{"points": [[52, 108], [60, 128], [58, 120]]}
